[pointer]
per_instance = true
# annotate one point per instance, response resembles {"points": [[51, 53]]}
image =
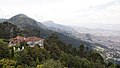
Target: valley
{"points": [[109, 40]]}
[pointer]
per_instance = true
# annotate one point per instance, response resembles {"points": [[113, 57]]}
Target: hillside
{"points": [[31, 27], [23, 25], [60, 41], [2, 20], [108, 40], [55, 54]]}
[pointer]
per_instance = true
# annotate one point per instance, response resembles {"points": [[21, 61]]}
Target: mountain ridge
{"points": [[2, 20], [67, 34], [23, 21], [39, 29]]}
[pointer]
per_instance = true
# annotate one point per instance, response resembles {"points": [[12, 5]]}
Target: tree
{"points": [[12, 53], [81, 50], [37, 61], [86, 63], [113, 66], [8, 63], [39, 66], [19, 66], [77, 62], [52, 64], [24, 58], [4, 51], [96, 57]]}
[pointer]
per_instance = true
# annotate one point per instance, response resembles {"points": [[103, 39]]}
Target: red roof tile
{"points": [[33, 39], [19, 39]]}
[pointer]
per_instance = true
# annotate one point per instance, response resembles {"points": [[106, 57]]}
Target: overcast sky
{"points": [[68, 12]]}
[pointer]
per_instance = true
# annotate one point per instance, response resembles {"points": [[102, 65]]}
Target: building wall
{"points": [[40, 43]]}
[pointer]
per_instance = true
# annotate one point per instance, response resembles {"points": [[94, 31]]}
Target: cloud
{"points": [[109, 14], [69, 12]]}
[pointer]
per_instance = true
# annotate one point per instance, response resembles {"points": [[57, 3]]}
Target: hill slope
{"points": [[30, 27]]}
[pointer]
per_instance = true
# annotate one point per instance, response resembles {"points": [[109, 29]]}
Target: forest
{"points": [[55, 54]]}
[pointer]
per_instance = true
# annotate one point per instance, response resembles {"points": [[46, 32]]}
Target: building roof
{"points": [[19, 39], [32, 39]]}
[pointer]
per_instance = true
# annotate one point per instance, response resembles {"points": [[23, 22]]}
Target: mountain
{"points": [[66, 34], [41, 25], [54, 48], [57, 27], [23, 21], [8, 30], [2, 20], [107, 40], [30, 27]]}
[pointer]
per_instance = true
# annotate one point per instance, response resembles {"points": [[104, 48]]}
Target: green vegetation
{"points": [[1, 40], [4, 41], [52, 64], [8, 30], [7, 63], [56, 54]]}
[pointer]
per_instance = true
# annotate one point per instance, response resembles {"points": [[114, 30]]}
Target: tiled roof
{"points": [[32, 39], [19, 39]]}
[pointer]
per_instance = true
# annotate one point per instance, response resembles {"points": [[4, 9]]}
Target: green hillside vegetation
{"points": [[2, 40], [56, 54], [8, 30]]}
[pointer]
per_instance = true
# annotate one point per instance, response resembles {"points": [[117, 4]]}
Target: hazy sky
{"points": [[69, 12]]}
